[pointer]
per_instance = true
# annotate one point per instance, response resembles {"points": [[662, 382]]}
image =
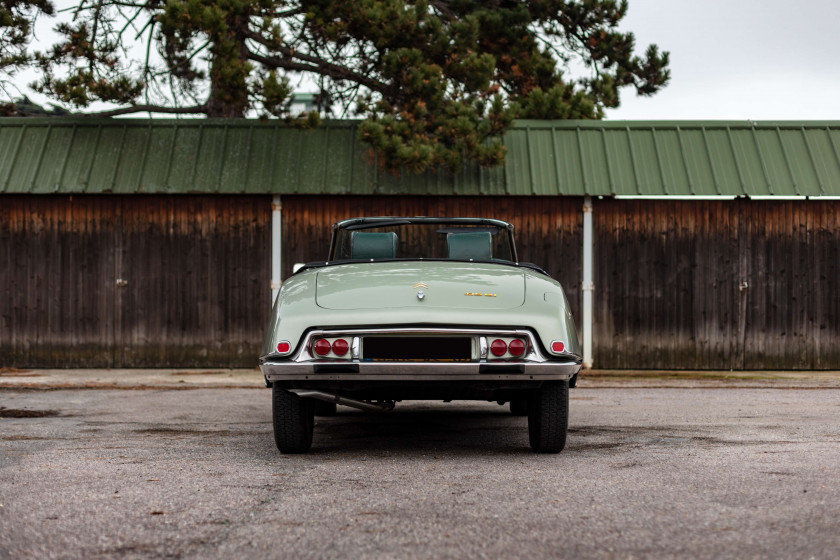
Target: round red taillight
{"points": [[558, 346], [516, 347], [322, 347], [340, 347], [498, 347], [284, 347]]}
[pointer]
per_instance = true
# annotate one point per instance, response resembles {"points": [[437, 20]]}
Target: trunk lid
{"points": [[449, 285]]}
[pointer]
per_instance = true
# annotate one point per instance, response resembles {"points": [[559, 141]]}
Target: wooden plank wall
{"points": [[56, 260], [792, 264], [668, 275], [198, 273], [197, 270], [670, 293], [548, 229]]}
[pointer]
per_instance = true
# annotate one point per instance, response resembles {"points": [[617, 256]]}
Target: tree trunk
{"points": [[229, 71], [224, 103]]}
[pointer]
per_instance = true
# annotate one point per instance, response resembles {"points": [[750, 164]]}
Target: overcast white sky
{"points": [[739, 59], [730, 59]]}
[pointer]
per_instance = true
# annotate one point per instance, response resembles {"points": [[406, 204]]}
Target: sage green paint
{"points": [[390, 285], [381, 295]]}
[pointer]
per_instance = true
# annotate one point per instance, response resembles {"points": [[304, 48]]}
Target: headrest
{"points": [[364, 245], [465, 246]]}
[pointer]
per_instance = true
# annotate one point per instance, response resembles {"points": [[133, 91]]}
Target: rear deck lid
{"points": [[451, 285]]}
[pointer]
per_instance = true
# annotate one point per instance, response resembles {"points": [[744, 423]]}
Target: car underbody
{"points": [[499, 391]]}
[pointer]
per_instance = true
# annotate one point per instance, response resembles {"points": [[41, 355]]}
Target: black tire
{"points": [[324, 408], [548, 417], [294, 421], [519, 407]]}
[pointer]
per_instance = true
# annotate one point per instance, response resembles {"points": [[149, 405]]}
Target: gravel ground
{"points": [[664, 473]]}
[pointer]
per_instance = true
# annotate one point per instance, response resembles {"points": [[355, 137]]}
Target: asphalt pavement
{"points": [[182, 464]]}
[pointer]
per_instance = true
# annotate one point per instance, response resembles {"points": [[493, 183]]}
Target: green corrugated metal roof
{"points": [[630, 158]]}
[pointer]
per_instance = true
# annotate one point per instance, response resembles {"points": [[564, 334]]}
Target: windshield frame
{"points": [[354, 224]]}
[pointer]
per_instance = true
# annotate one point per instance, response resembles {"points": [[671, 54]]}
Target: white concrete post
{"points": [[587, 286], [276, 228]]}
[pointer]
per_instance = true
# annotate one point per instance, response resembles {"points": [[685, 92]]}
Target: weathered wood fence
{"points": [[177, 281], [735, 284], [133, 281]]}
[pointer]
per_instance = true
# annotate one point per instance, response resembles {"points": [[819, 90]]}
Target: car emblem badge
{"points": [[420, 285], [420, 294]]}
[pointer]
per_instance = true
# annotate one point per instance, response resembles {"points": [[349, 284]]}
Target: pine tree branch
{"points": [[445, 8], [80, 8], [318, 66], [288, 13], [194, 109]]}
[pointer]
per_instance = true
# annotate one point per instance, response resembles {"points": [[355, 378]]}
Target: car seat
{"points": [[470, 246], [368, 245]]}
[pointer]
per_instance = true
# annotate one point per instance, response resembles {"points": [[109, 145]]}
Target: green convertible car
{"points": [[420, 308]]}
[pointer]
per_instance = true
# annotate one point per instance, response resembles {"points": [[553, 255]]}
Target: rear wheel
{"points": [[519, 407], [294, 421], [548, 417]]}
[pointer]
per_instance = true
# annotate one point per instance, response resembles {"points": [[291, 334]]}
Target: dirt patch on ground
{"points": [[18, 413], [177, 432], [24, 387], [15, 372], [202, 372], [595, 446]]}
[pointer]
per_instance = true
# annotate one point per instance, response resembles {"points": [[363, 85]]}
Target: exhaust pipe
{"points": [[338, 399]]}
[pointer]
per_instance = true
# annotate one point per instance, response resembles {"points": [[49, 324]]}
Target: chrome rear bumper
{"points": [[419, 371], [532, 366]]}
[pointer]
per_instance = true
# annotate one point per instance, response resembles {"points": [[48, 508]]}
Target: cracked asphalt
{"points": [[647, 473]]}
